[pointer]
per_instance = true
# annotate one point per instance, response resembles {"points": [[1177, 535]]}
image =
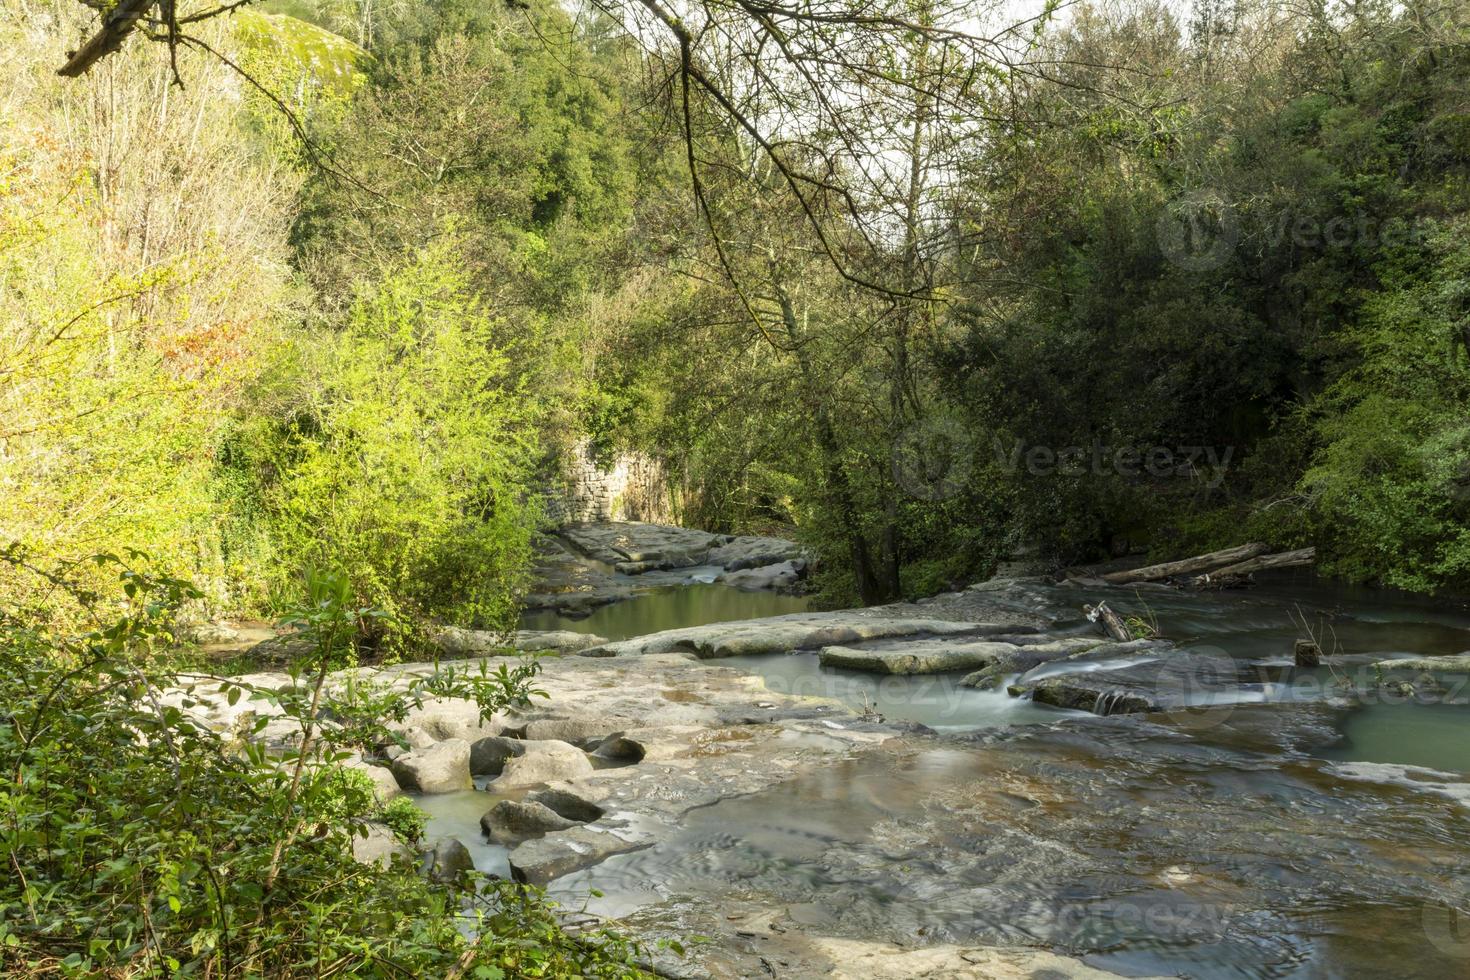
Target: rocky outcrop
{"points": [[538, 861]]}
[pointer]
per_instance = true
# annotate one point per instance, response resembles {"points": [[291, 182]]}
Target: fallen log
{"points": [[1283, 559], [1188, 566]]}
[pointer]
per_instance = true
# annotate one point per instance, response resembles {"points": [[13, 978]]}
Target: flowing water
{"points": [[1310, 834]]}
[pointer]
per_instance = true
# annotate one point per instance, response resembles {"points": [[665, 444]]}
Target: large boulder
{"points": [[749, 551], [543, 762], [444, 718], [593, 728], [511, 820], [441, 768]]}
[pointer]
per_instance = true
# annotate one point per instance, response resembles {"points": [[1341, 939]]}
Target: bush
{"points": [[409, 462], [139, 843]]}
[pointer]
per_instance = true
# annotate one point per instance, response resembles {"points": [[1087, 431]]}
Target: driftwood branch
{"points": [[1188, 566]]}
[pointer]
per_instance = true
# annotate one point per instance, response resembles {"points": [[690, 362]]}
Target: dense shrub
{"points": [[139, 843]]}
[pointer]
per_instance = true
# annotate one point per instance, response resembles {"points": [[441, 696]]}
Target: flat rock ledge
{"points": [[797, 631]]}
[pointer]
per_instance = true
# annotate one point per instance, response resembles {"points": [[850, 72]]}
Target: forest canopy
{"points": [[926, 284]]}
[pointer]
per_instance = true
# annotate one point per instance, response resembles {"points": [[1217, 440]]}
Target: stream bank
{"points": [[719, 779]]}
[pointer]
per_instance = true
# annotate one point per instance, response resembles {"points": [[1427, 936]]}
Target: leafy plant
{"points": [[140, 842]]}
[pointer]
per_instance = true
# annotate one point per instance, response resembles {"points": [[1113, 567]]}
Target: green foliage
{"points": [[142, 843], [409, 460], [402, 816]]}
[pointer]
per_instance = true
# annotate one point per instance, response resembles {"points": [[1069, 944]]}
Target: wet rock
{"points": [[543, 762], [441, 768], [1030, 656], [509, 821], [923, 657], [447, 860], [378, 847], [1307, 653]]}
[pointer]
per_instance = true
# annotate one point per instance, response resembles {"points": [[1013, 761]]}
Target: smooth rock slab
{"points": [[782, 634], [441, 768], [925, 657]]}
